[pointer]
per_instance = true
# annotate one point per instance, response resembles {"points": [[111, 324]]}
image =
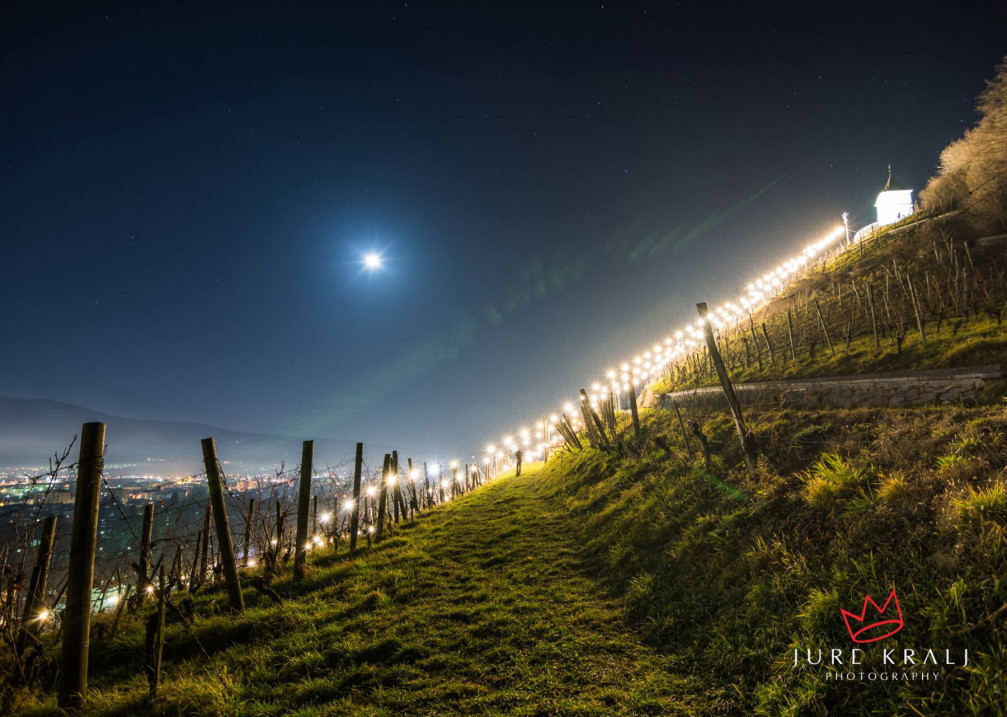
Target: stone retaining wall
{"points": [[898, 388]]}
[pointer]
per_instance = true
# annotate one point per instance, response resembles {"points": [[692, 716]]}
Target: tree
{"points": [[973, 169]]}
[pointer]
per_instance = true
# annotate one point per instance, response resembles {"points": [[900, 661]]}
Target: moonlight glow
{"points": [[373, 261]]}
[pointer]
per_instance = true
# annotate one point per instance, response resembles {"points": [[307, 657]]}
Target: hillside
{"points": [[629, 585], [852, 564], [647, 575], [858, 312], [480, 608], [731, 571], [926, 292]]}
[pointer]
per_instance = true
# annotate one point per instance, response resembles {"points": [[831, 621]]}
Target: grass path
{"points": [[478, 609]]}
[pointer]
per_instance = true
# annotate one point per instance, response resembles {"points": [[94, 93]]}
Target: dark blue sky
{"points": [[186, 190]]}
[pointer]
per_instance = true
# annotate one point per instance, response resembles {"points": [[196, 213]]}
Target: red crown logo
{"points": [[874, 631]]}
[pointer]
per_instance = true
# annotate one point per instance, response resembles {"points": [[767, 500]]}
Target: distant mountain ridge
{"points": [[33, 429]]}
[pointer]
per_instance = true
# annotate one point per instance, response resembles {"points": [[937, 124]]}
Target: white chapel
{"points": [[894, 203]]}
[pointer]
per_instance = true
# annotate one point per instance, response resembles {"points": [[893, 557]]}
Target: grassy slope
{"points": [[703, 580], [643, 585], [952, 341], [703, 583], [729, 571], [480, 608]]}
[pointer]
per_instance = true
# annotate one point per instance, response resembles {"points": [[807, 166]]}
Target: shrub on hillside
{"points": [[832, 479], [989, 503], [973, 169]]}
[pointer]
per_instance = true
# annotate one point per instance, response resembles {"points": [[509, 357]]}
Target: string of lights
{"points": [[645, 366]]}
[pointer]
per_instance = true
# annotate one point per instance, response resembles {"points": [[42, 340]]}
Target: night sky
{"points": [[186, 192]]}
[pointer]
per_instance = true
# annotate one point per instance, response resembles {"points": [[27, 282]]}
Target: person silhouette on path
{"points": [[519, 457]]}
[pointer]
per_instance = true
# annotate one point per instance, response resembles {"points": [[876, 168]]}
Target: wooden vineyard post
{"points": [[383, 497], [303, 508], [340, 504], [224, 545], [248, 530], [739, 422], [704, 444], [358, 464], [39, 576], [205, 550], [825, 330], [755, 341], [634, 411], [545, 446], [155, 638], [400, 496], [569, 434], [143, 574], [175, 574], [593, 415], [440, 484], [916, 310], [454, 480], [874, 318], [278, 548], [414, 506], [790, 336], [769, 346], [83, 541], [193, 582], [394, 478], [393, 506], [402, 488], [681, 425], [162, 600], [400, 482]]}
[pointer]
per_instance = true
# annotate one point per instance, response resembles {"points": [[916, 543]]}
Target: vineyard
{"points": [[185, 547], [652, 562], [930, 294], [675, 515]]}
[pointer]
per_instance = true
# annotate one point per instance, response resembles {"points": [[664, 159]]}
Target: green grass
{"points": [[481, 607], [953, 339], [986, 504], [978, 342], [604, 584], [608, 583], [831, 479], [730, 571]]}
